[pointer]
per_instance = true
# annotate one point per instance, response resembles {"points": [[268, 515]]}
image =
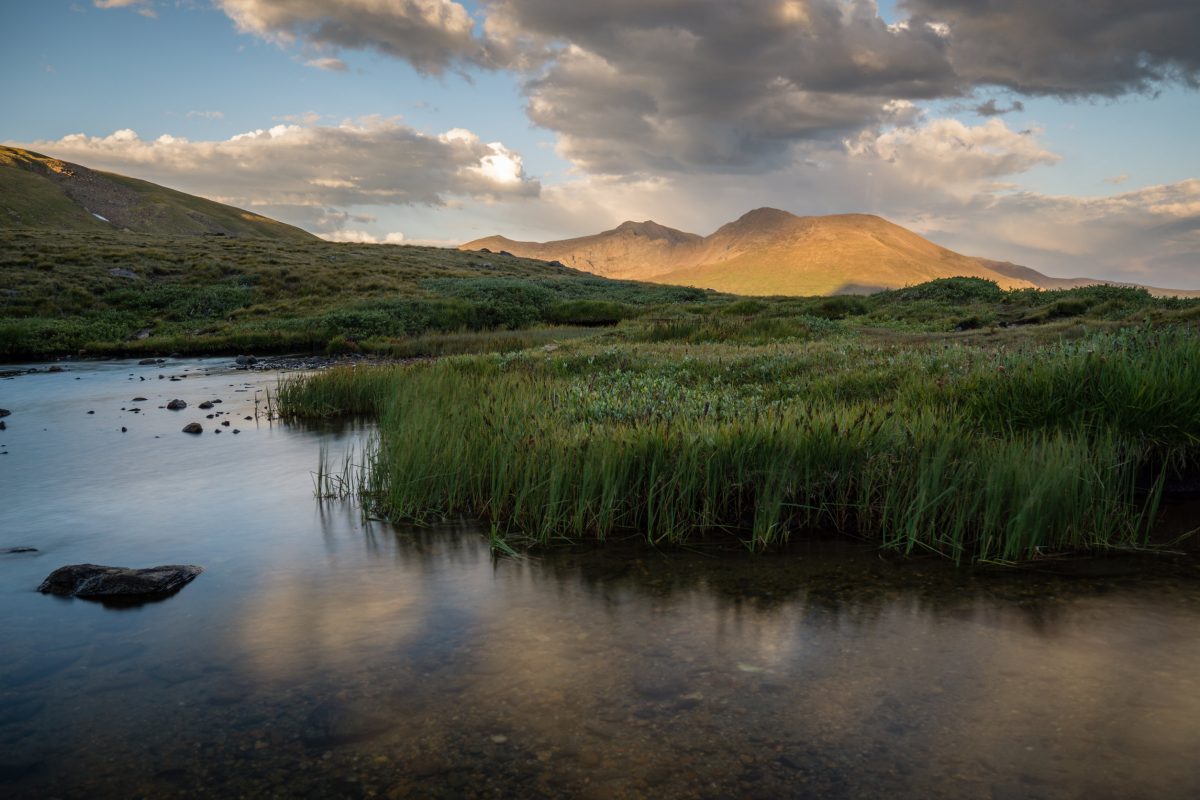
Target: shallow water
{"points": [[320, 656]]}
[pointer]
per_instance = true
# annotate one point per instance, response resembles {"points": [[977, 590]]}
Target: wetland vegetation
{"points": [[996, 452], [951, 416]]}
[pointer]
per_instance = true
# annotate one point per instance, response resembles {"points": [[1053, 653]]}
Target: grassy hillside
{"points": [[111, 293], [40, 192]]}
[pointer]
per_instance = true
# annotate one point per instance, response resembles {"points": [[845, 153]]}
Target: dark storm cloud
{"points": [[647, 86], [992, 109], [1069, 47]]}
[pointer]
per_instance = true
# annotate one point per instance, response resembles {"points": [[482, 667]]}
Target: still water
{"points": [[321, 656]]}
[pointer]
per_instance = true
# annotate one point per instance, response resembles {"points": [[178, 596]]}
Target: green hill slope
{"points": [[40, 192]]}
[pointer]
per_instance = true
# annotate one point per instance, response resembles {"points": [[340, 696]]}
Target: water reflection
{"points": [[320, 655]]}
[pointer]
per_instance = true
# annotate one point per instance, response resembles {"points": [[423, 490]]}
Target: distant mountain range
{"points": [[38, 191], [772, 252]]}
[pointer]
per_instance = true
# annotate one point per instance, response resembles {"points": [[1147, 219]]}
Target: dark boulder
{"points": [[193, 427], [176, 405], [4, 412], [147, 361], [93, 580], [246, 361], [206, 405]]}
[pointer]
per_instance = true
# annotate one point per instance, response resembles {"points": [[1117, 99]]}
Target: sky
{"points": [[1061, 136]]}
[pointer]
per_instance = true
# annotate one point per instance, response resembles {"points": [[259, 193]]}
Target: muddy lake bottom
{"points": [[323, 656]]}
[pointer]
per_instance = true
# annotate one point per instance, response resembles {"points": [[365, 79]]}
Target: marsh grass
{"points": [[972, 454]]}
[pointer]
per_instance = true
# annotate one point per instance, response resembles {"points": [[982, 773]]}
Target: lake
{"points": [[321, 655]]}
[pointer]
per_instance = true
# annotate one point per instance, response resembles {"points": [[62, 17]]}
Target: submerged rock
{"points": [[193, 427], [4, 412], [338, 722], [147, 361], [206, 405], [93, 580], [14, 550], [176, 405]]}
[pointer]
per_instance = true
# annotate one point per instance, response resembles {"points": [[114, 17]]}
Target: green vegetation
{"points": [[40, 192], [111, 293], [953, 416], [988, 453]]}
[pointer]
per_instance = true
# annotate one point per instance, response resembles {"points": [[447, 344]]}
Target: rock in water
{"points": [[335, 722], [92, 580], [147, 361], [4, 412], [193, 427], [246, 361], [176, 405]]}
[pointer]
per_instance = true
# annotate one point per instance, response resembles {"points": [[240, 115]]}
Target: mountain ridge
{"points": [[767, 251]]}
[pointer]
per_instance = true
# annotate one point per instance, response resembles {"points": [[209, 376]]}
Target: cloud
{"points": [[328, 64], [946, 153], [206, 114], [1150, 235], [991, 109], [363, 237], [1069, 47], [429, 34], [1117, 180], [368, 162], [735, 86], [143, 7]]}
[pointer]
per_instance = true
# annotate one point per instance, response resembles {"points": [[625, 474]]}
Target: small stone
{"points": [[206, 405], [235, 430], [55, 369], [4, 412], [145, 362], [124, 429], [139, 400], [193, 427], [91, 412], [225, 423], [176, 405]]}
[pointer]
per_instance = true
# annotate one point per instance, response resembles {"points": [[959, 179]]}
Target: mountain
{"points": [[772, 252], [38, 191]]}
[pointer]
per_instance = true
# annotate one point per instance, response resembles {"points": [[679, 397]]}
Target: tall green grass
{"points": [[976, 455]]}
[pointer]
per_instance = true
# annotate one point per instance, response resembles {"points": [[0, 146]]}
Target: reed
{"points": [[969, 453]]}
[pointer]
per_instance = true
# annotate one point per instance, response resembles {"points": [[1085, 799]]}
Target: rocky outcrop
{"points": [[93, 580]]}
